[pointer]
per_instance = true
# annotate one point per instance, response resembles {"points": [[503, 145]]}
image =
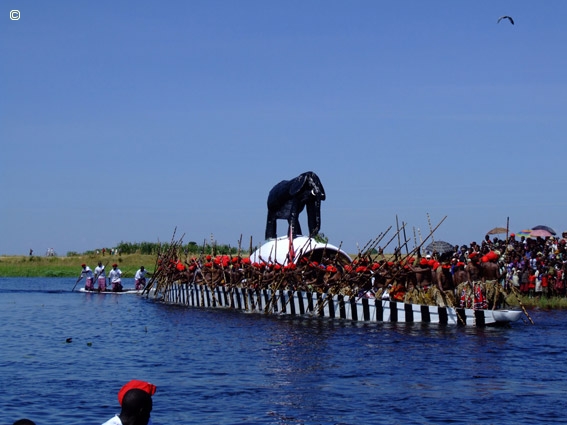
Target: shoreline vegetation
{"points": [[70, 267], [35, 266], [129, 257]]}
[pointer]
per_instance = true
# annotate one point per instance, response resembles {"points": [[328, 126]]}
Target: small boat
{"points": [[506, 315], [123, 292]]}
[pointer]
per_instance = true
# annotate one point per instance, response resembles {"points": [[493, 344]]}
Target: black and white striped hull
{"points": [[298, 303]]}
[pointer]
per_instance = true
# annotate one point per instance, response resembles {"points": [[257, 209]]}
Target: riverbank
{"points": [[32, 266]]}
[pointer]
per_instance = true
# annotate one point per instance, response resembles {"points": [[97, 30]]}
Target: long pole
{"points": [[429, 221], [516, 293], [78, 280], [405, 237], [416, 249], [398, 228]]}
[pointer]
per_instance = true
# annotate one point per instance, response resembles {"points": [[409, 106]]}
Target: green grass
{"points": [[23, 266], [545, 303], [540, 302]]}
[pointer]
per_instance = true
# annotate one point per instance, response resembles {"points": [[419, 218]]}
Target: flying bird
{"points": [[506, 17]]}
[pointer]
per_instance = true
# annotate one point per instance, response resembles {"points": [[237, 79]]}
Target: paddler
{"points": [[100, 277], [88, 274], [115, 278], [140, 278]]}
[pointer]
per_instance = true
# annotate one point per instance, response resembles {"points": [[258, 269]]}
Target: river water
{"points": [[226, 367]]}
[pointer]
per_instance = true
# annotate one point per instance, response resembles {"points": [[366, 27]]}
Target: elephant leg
{"points": [[271, 226]]}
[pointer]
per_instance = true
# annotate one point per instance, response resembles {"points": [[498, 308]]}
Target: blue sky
{"points": [[121, 121]]}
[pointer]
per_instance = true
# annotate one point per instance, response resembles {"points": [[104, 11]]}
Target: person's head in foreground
{"points": [[136, 407]]}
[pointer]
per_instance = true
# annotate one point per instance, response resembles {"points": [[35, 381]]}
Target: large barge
{"points": [[195, 286], [299, 303]]}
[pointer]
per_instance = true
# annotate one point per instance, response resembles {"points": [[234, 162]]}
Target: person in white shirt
{"points": [[88, 274], [100, 276], [140, 278], [115, 278]]}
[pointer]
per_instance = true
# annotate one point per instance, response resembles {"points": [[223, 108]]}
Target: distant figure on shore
{"points": [[31, 252]]}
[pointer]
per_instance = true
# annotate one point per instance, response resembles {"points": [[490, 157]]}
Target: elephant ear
{"points": [[297, 184]]}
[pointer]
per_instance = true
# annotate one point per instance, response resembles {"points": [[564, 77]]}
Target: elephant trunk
{"points": [[314, 217]]}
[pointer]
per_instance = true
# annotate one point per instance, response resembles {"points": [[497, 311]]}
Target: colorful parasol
{"points": [[541, 233], [524, 233], [547, 228]]}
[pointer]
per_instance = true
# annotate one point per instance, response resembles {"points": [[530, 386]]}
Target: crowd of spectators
{"points": [[533, 266]]}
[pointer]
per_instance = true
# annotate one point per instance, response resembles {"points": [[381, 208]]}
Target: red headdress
{"points": [[135, 384]]}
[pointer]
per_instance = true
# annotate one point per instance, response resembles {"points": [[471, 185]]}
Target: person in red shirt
{"points": [[531, 283], [544, 283]]}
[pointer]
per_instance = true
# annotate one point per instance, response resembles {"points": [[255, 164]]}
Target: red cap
{"points": [[115, 265], [83, 265], [135, 384]]}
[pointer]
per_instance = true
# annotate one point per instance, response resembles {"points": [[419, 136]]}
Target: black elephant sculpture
{"points": [[288, 198]]}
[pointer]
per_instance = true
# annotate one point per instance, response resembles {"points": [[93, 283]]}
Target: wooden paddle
{"points": [[78, 280]]}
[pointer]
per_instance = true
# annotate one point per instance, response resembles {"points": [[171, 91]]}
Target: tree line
{"points": [[153, 248]]}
